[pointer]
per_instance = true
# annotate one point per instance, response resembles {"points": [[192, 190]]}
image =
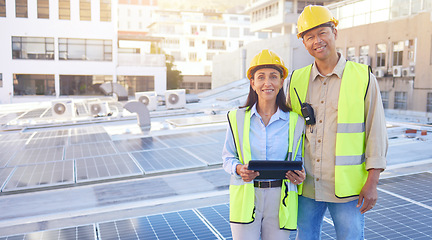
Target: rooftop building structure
{"points": [[67, 48]]}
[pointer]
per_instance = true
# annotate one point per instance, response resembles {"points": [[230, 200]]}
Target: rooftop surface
{"points": [[107, 178]]}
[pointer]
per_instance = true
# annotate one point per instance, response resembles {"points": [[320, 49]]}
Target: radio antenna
{"points": [[301, 104]]}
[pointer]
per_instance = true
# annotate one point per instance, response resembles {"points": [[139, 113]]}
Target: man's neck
{"points": [[326, 66]]}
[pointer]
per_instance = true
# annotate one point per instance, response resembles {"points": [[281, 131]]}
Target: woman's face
{"points": [[266, 83]]}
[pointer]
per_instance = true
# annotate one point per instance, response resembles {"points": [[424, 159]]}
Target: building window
{"points": [[64, 9], [203, 29], [85, 10], [193, 57], [385, 98], [194, 30], [85, 49], [83, 84], [241, 43], [210, 56], [33, 84], [204, 85], [351, 53], [43, 9], [364, 50], [400, 100], [216, 44], [1, 80], [429, 102], [381, 50], [398, 53], [191, 43], [21, 8], [2, 8], [32, 48], [220, 31], [234, 32], [135, 84], [188, 85], [105, 10]]}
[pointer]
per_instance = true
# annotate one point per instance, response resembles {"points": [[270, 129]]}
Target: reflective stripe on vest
{"points": [[350, 171], [242, 194]]}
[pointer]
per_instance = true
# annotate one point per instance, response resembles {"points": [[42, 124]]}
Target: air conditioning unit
{"points": [[411, 71], [63, 108], [354, 59], [98, 108], [175, 98], [365, 60], [148, 98], [405, 72], [397, 71], [379, 72]]}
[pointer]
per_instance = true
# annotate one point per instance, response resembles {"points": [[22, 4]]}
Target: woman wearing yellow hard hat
{"points": [[266, 129]]}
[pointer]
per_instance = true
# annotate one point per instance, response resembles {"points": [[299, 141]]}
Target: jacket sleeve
{"points": [[229, 155], [375, 127]]}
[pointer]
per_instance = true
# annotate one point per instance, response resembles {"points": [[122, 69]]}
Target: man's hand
{"points": [[245, 174], [296, 176], [369, 195]]}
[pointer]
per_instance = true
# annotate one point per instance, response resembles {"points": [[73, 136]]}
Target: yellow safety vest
{"points": [[242, 194], [350, 170]]}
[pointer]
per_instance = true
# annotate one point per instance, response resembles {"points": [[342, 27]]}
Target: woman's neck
{"points": [[266, 109]]}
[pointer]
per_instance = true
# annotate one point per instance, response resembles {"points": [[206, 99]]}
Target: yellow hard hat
{"points": [[267, 57], [313, 16]]}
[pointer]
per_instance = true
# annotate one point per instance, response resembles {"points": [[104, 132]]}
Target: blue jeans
{"points": [[347, 219]]}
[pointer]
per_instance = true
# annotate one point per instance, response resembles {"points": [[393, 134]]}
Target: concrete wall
{"points": [[229, 67]]}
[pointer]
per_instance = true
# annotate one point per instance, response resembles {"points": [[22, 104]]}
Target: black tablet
{"points": [[270, 169]]}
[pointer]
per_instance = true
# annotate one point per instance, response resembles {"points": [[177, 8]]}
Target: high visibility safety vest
{"points": [[242, 194], [350, 170]]}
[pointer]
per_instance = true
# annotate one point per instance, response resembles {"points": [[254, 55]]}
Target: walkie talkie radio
{"points": [[307, 111]]}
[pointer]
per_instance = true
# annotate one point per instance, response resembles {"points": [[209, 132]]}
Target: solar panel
{"points": [[87, 232], [417, 187], [210, 153], [217, 135], [218, 218], [46, 142], [6, 153], [166, 160], [106, 167], [14, 136], [186, 139], [87, 130], [33, 156], [49, 134], [41, 175], [35, 113], [177, 225], [89, 150], [138, 144], [89, 138], [4, 174], [4, 119]]}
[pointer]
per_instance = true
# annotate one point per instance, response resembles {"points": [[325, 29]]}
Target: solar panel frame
{"points": [[41, 175], [89, 150], [84, 232]]}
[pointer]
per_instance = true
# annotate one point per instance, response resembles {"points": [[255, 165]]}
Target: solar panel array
{"points": [[46, 158], [401, 212]]}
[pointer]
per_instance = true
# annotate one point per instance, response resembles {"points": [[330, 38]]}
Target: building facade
{"points": [[193, 38], [277, 16], [395, 39], [62, 48]]}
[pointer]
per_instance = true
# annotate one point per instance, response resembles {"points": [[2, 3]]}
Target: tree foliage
{"points": [[174, 77]]}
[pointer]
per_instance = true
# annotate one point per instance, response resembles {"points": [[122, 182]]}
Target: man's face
{"points": [[320, 42]]}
